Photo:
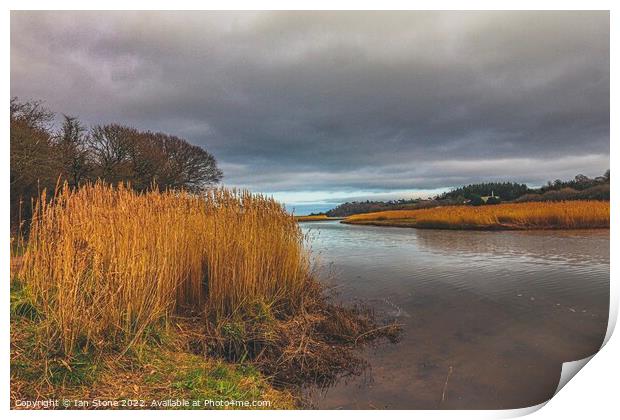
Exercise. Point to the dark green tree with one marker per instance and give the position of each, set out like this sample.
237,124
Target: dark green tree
475,200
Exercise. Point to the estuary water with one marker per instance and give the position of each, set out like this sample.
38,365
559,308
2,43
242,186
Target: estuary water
488,317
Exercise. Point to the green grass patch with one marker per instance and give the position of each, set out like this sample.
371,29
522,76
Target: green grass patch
159,368
21,304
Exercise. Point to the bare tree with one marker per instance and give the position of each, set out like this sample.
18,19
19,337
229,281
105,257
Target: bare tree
188,166
41,156
72,142
33,158
145,158
110,147
31,114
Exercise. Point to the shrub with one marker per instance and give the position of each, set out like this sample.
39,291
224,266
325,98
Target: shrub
476,200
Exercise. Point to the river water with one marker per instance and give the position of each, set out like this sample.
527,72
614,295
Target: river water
488,317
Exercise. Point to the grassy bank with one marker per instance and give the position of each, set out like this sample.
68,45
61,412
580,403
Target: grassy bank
552,215
163,367
109,275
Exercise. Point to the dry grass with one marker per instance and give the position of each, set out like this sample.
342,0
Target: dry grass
314,218
103,266
149,372
547,215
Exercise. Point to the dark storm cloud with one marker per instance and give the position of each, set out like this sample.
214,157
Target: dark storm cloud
338,101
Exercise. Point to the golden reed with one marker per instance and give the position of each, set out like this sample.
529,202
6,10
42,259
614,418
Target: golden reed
314,218
535,215
105,264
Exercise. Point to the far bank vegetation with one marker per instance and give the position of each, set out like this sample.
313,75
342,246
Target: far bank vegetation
579,188
533,215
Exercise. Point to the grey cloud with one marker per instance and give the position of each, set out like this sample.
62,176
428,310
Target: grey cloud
404,176
337,100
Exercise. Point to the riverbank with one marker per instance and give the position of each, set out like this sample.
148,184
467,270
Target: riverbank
156,374
208,366
512,216
113,289
316,218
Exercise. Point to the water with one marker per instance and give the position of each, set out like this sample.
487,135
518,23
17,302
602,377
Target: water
488,317
306,209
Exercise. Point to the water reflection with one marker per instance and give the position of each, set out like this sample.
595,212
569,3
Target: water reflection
567,246
501,310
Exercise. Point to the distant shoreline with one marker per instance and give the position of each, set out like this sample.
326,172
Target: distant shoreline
316,218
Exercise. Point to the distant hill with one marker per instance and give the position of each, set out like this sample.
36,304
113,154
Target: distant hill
357,207
579,188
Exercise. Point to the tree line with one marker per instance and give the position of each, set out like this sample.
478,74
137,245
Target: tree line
42,155
579,183
580,187
505,190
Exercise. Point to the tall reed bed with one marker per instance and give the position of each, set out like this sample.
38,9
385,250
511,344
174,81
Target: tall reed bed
539,215
104,265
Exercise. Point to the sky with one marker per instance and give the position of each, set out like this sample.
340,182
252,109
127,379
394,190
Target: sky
326,107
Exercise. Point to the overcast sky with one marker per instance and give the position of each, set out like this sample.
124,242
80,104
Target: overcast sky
324,107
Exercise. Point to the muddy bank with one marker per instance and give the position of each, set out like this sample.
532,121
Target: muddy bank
315,345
